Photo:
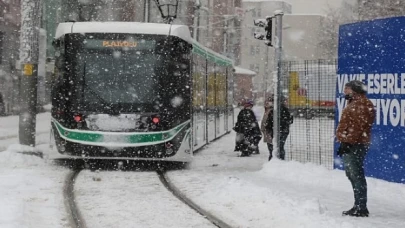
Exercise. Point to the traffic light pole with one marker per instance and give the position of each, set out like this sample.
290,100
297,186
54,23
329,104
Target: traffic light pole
278,45
277,86
146,10
29,55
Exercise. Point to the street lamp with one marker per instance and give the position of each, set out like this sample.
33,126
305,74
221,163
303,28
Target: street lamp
168,9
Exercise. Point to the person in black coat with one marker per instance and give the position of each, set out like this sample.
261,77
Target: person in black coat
2,108
285,121
248,132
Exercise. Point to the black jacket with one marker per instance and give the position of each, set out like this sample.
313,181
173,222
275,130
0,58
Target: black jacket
247,123
285,120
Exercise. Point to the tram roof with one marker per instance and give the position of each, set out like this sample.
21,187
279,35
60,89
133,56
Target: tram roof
180,31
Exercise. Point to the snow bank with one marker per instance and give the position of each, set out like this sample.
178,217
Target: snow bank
251,192
14,157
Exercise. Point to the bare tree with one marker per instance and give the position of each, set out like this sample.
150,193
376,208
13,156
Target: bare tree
372,9
330,27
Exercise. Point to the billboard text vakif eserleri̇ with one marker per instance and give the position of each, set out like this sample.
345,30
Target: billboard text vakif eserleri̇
372,51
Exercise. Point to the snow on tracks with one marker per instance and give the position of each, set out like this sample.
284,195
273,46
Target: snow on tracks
131,199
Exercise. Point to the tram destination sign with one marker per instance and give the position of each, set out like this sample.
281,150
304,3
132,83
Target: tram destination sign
119,44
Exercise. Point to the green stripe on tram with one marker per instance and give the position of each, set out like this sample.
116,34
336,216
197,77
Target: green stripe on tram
106,137
199,51
210,55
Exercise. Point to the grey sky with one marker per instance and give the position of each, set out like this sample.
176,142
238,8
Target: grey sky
313,6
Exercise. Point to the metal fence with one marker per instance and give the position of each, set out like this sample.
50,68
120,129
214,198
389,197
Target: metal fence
309,88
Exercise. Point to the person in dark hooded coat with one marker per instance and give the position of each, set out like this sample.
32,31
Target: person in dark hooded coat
248,132
286,120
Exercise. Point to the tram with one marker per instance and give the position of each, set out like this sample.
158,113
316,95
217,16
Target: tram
137,91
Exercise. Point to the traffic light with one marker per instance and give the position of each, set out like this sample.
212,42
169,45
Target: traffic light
268,28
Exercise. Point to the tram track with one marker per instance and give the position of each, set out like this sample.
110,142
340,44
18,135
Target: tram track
78,221
75,218
179,195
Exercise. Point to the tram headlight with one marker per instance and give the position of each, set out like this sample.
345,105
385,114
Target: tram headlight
169,151
169,148
62,147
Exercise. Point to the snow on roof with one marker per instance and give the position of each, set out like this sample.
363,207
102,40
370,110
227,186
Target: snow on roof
180,31
240,70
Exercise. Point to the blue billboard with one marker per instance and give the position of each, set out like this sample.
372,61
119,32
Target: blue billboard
374,52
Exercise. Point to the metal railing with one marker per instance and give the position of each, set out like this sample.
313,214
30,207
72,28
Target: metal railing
309,88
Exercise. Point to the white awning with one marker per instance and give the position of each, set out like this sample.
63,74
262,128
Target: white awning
240,70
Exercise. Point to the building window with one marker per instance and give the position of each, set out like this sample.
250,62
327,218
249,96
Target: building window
1,46
252,50
257,50
254,13
257,68
259,12
2,10
254,67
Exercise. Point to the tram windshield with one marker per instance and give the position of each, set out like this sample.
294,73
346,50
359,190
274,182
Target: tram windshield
120,77
120,71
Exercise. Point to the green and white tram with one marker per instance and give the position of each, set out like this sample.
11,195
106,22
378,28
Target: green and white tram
142,91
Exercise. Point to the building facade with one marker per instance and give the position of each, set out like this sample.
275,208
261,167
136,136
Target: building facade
372,9
10,18
243,84
302,37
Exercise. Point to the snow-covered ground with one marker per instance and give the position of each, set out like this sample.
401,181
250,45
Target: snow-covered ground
251,192
132,199
242,191
9,125
31,191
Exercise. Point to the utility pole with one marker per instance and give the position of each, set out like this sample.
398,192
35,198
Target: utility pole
277,86
196,19
146,10
225,48
266,73
29,54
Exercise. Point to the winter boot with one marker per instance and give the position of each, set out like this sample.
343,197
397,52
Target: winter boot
356,212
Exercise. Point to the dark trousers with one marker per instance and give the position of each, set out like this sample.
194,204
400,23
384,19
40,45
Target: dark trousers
283,139
354,168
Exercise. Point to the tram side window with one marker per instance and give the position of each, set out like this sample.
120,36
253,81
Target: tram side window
59,58
211,85
220,86
59,85
230,86
199,83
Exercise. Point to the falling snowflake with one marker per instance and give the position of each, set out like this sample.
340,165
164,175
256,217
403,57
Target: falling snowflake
177,101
